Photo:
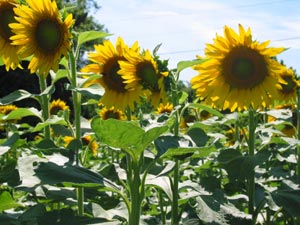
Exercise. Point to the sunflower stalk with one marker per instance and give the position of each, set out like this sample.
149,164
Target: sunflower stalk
298,134
44,105
77,111
175,212
134,182
251,147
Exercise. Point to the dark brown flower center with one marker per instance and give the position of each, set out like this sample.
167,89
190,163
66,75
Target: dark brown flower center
148,76
290,85
48,35
111,77
6,17
244,67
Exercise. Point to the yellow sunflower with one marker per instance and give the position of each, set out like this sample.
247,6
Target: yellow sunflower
8,52
111,113
164,108
41,33
141,69
6,109
239,72
57,105
106,62
87,140
287,86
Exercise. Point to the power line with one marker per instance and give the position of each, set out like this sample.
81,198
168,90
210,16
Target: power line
198,50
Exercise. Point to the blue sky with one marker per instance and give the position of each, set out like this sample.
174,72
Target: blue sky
183,27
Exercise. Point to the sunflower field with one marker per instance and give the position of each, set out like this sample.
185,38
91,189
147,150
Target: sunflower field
226,153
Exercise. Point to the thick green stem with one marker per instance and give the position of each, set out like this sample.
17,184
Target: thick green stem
44,105
135,194
175,215
77,111
298,134
251,180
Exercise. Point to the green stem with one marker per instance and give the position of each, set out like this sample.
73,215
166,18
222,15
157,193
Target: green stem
77,111
161,206
175,215
251,181
135,204
44,105
298,134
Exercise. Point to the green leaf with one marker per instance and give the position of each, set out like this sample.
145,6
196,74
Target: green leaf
179,152
90,36
289,200
15,96
125,135
7,201
60,74
51,121
231,159
198,135
206,108
22,112
8,143
186,64
51,173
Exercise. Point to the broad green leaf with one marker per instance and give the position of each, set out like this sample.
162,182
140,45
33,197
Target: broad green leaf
179,152
22,112
125,135
164,143
153,134
186,64
206,108
8,143
59,75
198,135
51,173
51,121
161,182
7,201
231,159
1,61
94,92
15,96
90,36
289,200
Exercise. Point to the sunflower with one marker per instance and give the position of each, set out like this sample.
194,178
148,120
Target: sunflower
6,109
41,33
287,86
111,113
239,72
8,51
142,69
106,62
87,140
57,105
164,108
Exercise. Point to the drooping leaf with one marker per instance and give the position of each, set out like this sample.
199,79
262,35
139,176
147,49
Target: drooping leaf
90,36
289,200
15,96
231,159
198,135
51,173
22,112
51,121
206,108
